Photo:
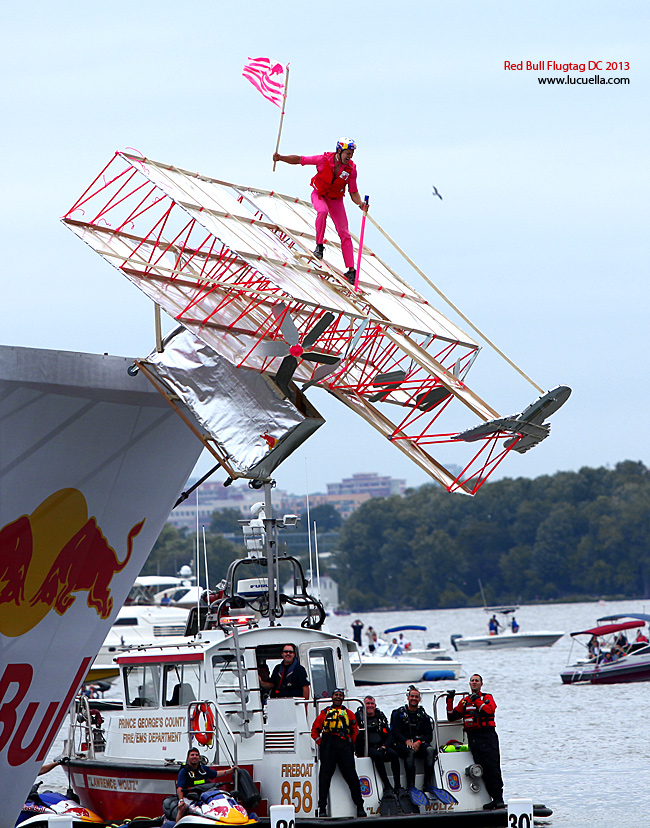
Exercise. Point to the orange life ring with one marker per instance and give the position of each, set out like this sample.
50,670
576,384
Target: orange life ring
203,735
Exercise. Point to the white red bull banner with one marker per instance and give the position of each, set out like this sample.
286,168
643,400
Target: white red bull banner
91,463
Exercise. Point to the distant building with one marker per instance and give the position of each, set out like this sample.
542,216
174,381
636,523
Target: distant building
368,483
345,496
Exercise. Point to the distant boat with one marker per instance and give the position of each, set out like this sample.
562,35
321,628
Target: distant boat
612,660
507,638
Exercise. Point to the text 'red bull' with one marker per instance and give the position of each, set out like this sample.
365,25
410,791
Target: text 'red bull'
15,684
52,553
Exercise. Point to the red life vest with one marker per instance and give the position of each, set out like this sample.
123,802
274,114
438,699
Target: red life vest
475,719
329,184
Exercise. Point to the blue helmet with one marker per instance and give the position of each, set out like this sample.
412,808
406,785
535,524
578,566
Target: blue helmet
345,144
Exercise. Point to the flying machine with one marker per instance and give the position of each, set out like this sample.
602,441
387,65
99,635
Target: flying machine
234,266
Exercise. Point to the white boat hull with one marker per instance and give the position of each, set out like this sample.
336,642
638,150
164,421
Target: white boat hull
506,640
403,670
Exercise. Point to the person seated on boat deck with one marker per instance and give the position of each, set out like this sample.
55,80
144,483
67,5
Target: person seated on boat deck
641,637
194,773
375,724
288,679
594,646
477,712
335,731
621,642
404,642
412,734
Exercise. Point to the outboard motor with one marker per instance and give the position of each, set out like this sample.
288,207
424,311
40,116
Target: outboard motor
454,639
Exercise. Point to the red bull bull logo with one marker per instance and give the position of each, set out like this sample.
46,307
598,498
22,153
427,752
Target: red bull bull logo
47,556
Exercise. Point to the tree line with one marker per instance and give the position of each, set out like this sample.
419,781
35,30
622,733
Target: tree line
565,536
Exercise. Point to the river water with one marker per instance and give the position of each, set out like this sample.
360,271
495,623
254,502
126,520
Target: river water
581,750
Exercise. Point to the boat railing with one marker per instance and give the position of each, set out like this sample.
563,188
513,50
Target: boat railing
85,734
349,701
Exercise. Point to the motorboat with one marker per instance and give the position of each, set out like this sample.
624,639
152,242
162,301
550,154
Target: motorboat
505,635
204,691
400,668
136,624
429,651
610,657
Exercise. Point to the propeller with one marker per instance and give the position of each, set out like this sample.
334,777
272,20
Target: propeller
326,370
292,348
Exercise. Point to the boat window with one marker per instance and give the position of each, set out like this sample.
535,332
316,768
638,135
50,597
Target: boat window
142,685
323,672
226,677
126,622
180,683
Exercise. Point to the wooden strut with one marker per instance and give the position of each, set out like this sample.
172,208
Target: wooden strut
284,100
451,305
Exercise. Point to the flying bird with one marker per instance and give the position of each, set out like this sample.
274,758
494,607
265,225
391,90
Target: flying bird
436,193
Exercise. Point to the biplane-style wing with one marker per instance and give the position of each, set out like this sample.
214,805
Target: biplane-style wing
234,265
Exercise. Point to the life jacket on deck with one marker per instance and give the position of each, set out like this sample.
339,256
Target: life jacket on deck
473,718
329,184
337,722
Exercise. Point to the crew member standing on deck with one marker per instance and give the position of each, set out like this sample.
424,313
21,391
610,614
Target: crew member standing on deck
477,712
335,731
334,172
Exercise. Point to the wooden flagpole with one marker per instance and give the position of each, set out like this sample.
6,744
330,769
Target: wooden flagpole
284,100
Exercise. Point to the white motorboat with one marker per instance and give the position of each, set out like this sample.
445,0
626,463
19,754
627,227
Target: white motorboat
401,668
205,692
429,651
506,636
136,625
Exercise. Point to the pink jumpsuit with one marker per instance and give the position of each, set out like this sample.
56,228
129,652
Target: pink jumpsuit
335,208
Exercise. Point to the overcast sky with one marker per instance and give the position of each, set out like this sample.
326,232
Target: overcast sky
541,236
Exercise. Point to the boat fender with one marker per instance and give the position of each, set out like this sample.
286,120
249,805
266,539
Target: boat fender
203,733
438,675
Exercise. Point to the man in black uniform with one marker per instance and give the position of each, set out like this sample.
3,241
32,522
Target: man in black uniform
336,730
412,732
477,712
288,679
375,724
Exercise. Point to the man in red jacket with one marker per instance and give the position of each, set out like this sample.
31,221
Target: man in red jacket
334,172
336,730
477,712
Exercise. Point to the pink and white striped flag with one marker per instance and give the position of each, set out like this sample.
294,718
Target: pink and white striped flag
260,72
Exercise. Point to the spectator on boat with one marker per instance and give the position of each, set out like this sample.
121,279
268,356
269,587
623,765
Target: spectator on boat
493,625
194,773
404,642
477,712
374,724
412,733
335,731
594,646
288,679
641,637
371,635
334,172
357,626
621,641
514,625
